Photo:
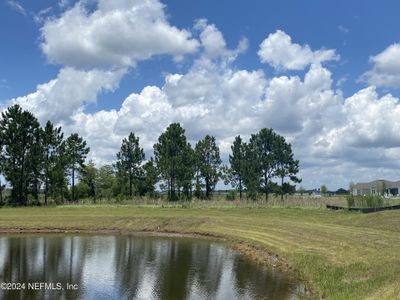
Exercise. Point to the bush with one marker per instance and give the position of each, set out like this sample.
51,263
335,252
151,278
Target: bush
374,201
231,195
350,200
364,201
252,195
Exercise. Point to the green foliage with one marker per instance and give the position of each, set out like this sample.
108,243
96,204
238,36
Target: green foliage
382,188
324,189
365,201
2,187
35,160
54,165
209,161
231,195
301,190
129,160
105,182
251,171
262,144
186,172
171,155
268,156
373,201
82,190
75,154
341,191
89,177
21,158
286,165
350,200
149,180
234,174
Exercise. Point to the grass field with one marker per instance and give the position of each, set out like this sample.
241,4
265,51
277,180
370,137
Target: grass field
341,255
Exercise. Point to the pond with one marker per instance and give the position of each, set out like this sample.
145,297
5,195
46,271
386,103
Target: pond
132,267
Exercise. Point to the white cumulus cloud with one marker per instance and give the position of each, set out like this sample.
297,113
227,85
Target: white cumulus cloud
116,33
60,98
386,68
280,52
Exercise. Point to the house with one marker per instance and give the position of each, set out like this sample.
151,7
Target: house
377,187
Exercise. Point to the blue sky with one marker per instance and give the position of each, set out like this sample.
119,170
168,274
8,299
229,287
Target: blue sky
357,29
327,77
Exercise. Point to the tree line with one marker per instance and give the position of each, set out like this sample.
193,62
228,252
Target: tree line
40,163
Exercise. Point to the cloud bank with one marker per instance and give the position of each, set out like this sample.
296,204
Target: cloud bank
336,138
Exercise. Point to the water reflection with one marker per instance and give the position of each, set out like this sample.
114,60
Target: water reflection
120,267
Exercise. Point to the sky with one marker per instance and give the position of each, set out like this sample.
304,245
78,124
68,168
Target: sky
326,76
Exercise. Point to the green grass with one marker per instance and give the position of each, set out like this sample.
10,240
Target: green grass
341,255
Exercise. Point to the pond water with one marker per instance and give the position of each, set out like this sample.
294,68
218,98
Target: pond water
126,267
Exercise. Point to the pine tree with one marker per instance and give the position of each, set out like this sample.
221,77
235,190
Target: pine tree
52,138
251,170
88,176
169,156
59,186
234,174
19,132
186,171
76,152
263,144
35,162
149,179
129,160
209,161
105,181
287,166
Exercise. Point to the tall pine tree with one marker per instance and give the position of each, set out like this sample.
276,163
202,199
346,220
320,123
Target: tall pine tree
19,132
263,144
209,161
287,166
169,155
129,160
52,138
235,172
76,152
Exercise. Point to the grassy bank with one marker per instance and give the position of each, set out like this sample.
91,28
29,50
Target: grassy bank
343,255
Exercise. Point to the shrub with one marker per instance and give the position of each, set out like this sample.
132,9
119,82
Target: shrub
231,195
374,201
364,201
350,200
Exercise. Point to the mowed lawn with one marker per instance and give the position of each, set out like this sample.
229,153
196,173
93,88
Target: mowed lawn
341,255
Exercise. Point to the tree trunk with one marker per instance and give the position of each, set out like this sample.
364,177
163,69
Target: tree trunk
173,194
130,184
21,184
170,189
240,188
46,190
1,194
46,187
73,183
282,188
266,187
207,188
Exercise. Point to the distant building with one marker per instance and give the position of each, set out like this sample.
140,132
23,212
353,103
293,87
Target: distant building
377,187
316,192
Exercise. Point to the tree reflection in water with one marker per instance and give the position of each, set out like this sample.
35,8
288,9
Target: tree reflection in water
123,267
